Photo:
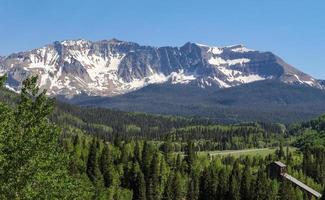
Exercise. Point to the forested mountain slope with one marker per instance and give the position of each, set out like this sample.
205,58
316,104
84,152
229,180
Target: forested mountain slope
268,101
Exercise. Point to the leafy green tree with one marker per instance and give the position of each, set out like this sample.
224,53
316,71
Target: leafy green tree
32,164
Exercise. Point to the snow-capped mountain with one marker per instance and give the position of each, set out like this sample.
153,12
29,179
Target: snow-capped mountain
108,68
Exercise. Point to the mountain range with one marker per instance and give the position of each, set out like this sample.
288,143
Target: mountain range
231,83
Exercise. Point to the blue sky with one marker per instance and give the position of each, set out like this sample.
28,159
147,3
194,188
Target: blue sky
293,29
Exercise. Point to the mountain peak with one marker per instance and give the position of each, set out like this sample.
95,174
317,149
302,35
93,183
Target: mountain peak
78,42
114,40
108,68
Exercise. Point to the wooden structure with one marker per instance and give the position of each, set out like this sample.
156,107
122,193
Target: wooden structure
278,170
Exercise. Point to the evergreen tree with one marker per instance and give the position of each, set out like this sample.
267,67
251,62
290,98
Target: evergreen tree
222,190
153,180
177,190
168,190
137,152
105,163
92,163
234,182
146,159
245,192
173,189
280,151
190,155
193,187
287,191
207,185
138,183
261,185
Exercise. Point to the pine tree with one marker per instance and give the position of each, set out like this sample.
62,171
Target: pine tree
137,152
92,164
153,180
138,183
193,187
245,183
178,193
234,182
280,152
105,163
222,189
168,190
146,159
190,155
286,191
207,189
261,185
173,189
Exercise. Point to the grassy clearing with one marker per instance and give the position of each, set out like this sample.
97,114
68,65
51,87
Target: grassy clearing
246,152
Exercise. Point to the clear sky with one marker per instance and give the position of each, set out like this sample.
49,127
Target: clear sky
293,29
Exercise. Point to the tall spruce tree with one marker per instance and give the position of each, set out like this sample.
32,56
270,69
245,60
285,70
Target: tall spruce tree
286,191
105,163
245,192
92,163
234,182
138,183
190,155
153,180
261,185
193,186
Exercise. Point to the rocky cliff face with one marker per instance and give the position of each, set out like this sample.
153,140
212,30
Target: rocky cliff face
108,68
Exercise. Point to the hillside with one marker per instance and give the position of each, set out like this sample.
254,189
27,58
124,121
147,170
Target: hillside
268,101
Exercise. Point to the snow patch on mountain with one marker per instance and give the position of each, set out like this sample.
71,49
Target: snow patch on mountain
215,60
240,49
221,83
181,77
140,83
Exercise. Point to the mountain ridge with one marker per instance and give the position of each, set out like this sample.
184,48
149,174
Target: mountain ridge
114,67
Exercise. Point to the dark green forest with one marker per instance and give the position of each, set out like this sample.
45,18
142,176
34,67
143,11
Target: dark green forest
53,150
285,103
